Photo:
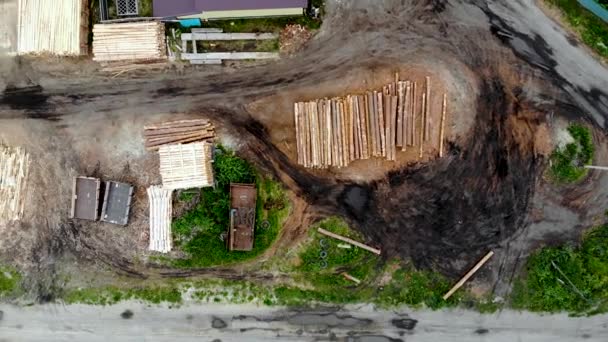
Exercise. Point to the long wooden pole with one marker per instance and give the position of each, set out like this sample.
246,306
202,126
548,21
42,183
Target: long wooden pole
468,275
347,240
441,129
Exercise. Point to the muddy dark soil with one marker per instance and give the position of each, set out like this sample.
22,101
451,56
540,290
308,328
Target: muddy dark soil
515,77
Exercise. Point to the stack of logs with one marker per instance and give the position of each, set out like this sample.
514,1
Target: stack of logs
178,132
334,132
129,41
14,170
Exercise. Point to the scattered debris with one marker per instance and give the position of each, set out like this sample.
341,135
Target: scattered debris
85,198
468,275
293,38
337,131
242,216
129,41
14,169
186,166
117,203
178,132
160,218
347,240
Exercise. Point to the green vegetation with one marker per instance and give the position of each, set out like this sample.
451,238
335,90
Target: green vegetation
113,295
267,45
593,30
9,280
566,278
199,231
145,8
603,3
567,163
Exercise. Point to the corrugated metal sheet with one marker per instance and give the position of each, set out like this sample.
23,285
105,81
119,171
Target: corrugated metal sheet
168,8
52,26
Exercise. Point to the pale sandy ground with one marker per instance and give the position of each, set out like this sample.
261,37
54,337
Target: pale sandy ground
219,322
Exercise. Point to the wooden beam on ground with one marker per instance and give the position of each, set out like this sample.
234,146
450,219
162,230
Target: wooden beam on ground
351,278
381,124
400,114
371,110
414,115
296,121
393,117
427,111
468,275
422,123
441,128
348,240
363,117
328,133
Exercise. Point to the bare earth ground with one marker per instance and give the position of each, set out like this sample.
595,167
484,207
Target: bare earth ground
510,73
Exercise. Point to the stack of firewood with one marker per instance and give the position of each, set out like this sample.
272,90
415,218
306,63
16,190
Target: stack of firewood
178,132
337,131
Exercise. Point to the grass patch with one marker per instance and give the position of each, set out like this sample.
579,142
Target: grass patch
592,29
113,295
198,231
266,45
9,281
567,163
567,278
255,25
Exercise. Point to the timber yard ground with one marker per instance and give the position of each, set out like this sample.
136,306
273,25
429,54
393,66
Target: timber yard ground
515,78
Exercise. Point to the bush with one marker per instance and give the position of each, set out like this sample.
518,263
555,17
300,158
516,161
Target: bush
9,279
567,163
566,278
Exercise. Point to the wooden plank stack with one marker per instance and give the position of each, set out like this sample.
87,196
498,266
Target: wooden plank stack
178,132
14,169
129,41
160,218
334,132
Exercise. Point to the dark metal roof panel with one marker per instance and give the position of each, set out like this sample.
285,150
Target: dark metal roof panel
230,5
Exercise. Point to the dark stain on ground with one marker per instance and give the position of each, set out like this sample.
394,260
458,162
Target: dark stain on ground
218,323
127,314
404,323
172,91
482,331
32,100
372,338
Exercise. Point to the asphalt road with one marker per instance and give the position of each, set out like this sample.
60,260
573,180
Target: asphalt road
217,322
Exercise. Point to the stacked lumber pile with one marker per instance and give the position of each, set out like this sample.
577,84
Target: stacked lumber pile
129,41
14,168
186,166
337,131
178,132
161,212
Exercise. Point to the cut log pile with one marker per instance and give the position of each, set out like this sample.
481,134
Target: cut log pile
129,41
14,168
178,132
337,131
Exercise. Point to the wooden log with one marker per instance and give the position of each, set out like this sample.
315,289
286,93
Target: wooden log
307,153
321,132
371,123
351,278
312,107
363,117
414,115
169,140
334,129
441,128
400,95
468,275
177,124
328,133
182,141
296,120
346,147
407,116
422,123
343,151
381,124
356,127
427,111
351,128
348,240
393,141
387,125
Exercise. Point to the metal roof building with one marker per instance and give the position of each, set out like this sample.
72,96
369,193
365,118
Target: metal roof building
224,9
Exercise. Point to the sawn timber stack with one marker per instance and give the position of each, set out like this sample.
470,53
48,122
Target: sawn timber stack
178,132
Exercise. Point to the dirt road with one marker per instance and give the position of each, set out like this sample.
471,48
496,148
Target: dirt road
136,322
510,68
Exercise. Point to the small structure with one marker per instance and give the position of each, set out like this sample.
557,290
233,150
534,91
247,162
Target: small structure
242,216
85,198
14,168
160,218
227,9
186,166
116,203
